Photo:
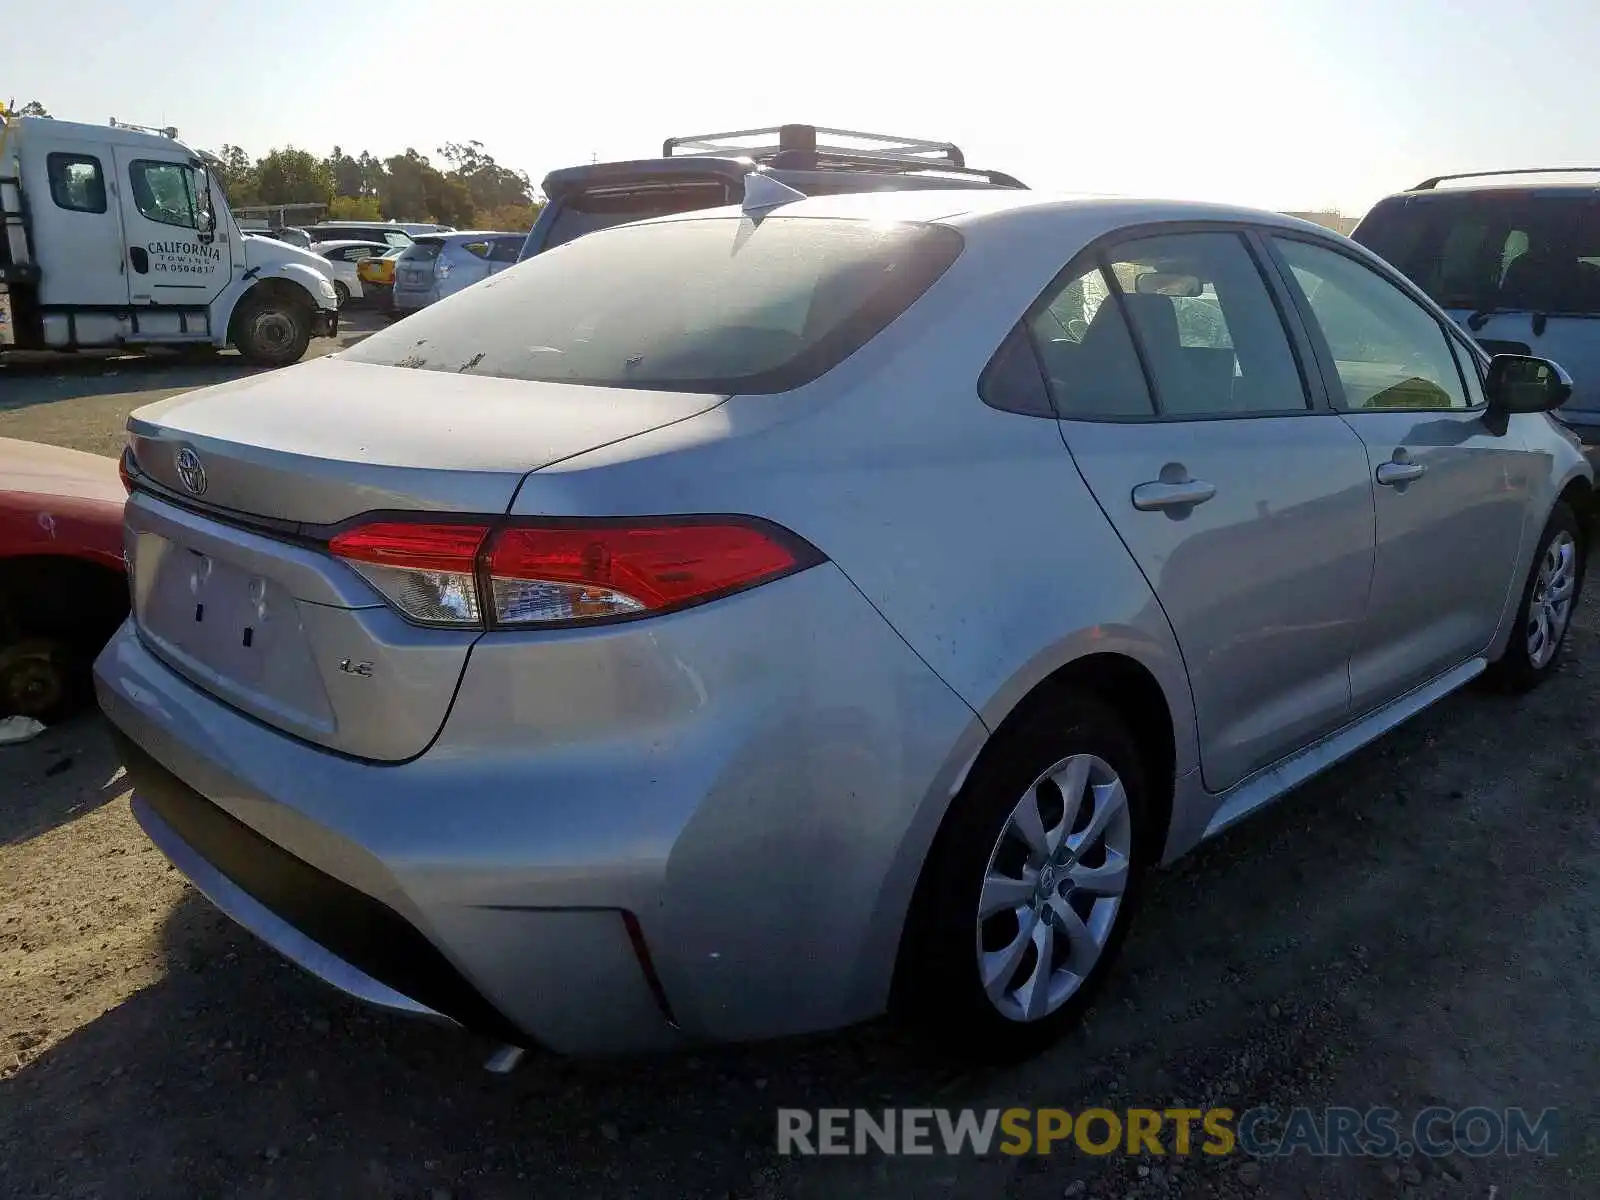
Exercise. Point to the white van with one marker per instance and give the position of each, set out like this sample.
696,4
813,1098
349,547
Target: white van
121,237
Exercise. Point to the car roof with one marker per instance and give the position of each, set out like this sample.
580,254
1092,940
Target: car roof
977,206
345,243
456,235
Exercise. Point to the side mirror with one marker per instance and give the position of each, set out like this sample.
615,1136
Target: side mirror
1521,383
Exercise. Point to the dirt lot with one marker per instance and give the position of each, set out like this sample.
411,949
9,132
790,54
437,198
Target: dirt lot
1421,926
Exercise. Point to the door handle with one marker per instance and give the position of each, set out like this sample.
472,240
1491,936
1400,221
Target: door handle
1148,497
1400,469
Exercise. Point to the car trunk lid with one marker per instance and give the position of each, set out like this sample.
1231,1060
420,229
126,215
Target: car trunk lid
240,486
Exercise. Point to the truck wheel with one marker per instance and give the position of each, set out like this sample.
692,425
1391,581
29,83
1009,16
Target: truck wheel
273,331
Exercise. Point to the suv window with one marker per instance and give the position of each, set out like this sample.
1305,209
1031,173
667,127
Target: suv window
1088,358
1207,324
1389,351
712,305
476,249
76,182
505,250
164,192
1483,250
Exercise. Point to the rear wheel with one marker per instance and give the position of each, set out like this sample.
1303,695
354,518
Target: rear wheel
1030,885
272,330
342,292
1549,599
41,678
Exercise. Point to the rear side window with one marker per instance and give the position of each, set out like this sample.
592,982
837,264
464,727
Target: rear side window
716,305
76,182
1210,333
586,212
1089,361
476,249
505,250
1483,250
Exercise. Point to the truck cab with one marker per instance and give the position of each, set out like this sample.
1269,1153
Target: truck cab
116,236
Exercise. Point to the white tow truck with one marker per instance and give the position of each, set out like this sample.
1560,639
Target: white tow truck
120,236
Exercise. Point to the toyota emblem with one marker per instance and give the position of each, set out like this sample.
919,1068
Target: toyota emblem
191,471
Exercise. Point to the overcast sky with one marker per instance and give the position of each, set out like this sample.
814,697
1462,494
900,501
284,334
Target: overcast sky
1278,103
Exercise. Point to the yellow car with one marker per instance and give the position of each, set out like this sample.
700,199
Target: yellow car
378,272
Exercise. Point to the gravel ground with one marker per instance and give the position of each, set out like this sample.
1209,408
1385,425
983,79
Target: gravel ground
1419,926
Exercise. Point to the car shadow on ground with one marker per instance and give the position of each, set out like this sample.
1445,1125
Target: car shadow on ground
65,772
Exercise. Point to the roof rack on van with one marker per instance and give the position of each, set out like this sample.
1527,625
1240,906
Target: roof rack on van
798,147
1429,184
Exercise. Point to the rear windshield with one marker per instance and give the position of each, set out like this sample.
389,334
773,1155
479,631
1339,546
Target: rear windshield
585,212
1484,250
422,250
718,305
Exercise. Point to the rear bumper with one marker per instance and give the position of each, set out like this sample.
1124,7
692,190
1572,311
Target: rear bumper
409,299
750,808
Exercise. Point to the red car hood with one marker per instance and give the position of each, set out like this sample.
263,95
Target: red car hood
55,501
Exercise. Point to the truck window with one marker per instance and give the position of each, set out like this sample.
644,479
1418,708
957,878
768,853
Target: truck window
164,192
76,182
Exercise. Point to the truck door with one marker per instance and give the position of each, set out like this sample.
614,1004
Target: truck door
77,230
175,255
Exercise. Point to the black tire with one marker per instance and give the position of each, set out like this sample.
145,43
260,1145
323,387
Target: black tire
41,678
342,292
938,987
272,330
1521,668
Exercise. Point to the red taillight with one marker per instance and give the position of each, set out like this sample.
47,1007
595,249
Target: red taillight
559,572
125,469
425,571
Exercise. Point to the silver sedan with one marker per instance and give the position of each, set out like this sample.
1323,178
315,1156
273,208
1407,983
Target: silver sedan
745,622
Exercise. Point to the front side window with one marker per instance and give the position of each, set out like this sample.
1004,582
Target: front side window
164,192
1389,351
1210,332
76,182
717,304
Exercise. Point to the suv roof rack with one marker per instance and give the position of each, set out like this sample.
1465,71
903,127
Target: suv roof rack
798,147
1430,184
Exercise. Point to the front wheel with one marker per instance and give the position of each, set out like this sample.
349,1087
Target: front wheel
1549,599
273,331
1027,893
341,292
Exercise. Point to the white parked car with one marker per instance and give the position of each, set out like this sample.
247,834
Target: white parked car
343,257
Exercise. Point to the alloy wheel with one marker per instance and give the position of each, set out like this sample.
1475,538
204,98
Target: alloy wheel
1550,607
1054,884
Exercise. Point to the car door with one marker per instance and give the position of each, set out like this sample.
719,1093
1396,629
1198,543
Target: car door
1243,499
77,229
1451,491
170,260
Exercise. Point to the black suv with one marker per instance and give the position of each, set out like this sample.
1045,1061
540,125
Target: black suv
1515,260
708,170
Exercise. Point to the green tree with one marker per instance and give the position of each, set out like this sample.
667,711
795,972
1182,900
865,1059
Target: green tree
490,185
291,176
33,109
237,172
355,208
348,179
